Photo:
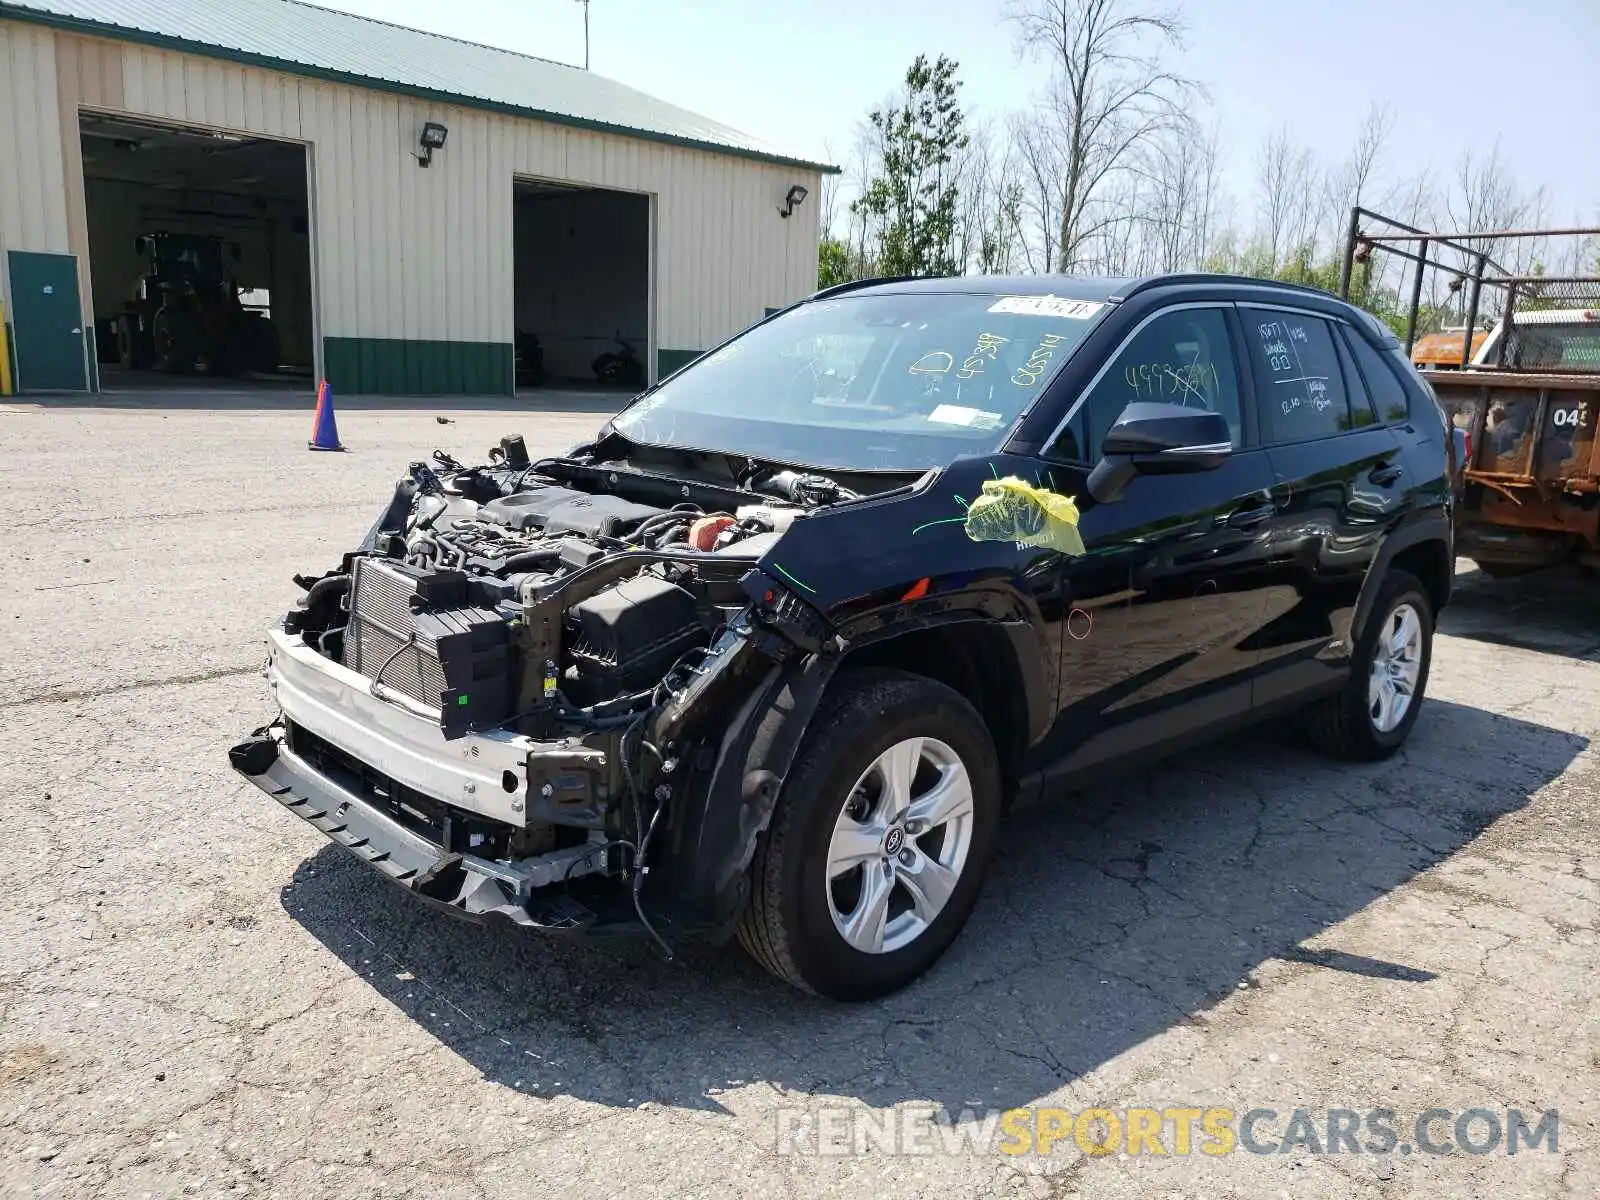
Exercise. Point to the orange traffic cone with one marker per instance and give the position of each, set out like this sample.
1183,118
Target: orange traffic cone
324,431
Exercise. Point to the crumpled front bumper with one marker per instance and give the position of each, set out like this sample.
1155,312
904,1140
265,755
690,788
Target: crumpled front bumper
483,775
467,886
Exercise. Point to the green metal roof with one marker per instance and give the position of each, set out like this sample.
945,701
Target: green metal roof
287,35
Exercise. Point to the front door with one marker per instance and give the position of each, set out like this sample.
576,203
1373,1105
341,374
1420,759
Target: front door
1167,603
47,322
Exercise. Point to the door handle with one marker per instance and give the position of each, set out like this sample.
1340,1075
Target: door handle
1384,474
1244,518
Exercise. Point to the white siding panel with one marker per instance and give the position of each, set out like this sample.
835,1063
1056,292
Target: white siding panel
239,111
392,174
255,96
371,254
203,92
174,91
445,192
33,190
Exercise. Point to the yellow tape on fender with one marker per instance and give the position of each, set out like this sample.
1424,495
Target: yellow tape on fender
1010,510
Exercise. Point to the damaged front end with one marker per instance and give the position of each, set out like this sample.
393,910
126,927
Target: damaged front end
559,694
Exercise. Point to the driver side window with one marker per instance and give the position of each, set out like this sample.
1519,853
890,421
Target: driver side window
1183,356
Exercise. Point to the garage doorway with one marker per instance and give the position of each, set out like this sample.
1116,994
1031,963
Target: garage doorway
582,287
199,257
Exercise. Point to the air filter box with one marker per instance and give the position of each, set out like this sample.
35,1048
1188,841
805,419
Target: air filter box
625,638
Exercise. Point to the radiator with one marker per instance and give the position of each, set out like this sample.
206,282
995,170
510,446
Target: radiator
380,642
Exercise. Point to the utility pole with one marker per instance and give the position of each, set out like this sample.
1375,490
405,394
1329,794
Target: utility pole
585,4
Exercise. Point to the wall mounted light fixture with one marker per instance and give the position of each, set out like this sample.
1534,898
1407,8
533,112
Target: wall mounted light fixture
793,200
433,136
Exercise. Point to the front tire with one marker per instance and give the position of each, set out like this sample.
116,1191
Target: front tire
1373,715
880,840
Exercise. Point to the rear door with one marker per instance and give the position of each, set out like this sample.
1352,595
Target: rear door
1338,484
1165,607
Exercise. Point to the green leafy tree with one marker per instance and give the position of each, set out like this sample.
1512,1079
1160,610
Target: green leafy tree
913,197
834,263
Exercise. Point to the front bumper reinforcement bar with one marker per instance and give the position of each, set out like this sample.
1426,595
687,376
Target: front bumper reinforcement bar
467,886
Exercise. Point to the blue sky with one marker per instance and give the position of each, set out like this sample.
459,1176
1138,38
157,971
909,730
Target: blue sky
801,73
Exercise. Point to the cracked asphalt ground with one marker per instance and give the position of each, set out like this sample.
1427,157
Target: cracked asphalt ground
200,996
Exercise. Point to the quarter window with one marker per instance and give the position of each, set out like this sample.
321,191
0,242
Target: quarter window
1389,395
1362,411
1299,385
1183,356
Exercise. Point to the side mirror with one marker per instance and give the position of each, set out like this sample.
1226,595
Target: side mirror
1158,439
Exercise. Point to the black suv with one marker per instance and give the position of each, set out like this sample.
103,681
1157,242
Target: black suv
774,651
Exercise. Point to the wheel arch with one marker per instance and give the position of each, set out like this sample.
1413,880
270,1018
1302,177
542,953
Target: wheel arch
997,665
1424,549
986,662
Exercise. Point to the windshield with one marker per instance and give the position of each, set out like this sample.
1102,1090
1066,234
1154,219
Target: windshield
869,383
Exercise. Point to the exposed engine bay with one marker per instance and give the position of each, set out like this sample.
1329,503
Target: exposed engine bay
450,605
589,622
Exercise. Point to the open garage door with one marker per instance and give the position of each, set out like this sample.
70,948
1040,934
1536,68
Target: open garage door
199,255
582,286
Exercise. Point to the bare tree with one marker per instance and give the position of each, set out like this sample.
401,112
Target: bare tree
989,228
1111,89
985,230
1209,196
829,202
1483,195
866,160
1039,164
1354,180
1179,169
1285,184
1120,246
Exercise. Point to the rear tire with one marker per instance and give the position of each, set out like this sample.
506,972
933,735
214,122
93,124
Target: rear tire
920,877
133,344
171,353
1355,723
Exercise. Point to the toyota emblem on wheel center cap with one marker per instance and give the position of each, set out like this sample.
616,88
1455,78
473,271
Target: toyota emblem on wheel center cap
893,840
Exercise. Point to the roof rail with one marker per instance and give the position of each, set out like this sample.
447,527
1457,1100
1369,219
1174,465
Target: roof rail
839,289
1151,281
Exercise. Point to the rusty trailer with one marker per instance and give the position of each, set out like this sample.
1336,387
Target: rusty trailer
1525,392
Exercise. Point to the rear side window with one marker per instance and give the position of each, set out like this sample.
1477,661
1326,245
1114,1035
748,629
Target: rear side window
1299,385
1389,395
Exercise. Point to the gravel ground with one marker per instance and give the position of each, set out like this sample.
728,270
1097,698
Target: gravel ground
200,996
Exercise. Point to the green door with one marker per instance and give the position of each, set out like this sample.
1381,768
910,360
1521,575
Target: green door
47,322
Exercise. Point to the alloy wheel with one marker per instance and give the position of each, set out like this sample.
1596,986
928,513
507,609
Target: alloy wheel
1396,668
899,845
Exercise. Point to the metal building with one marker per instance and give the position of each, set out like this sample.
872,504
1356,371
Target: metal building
151,148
